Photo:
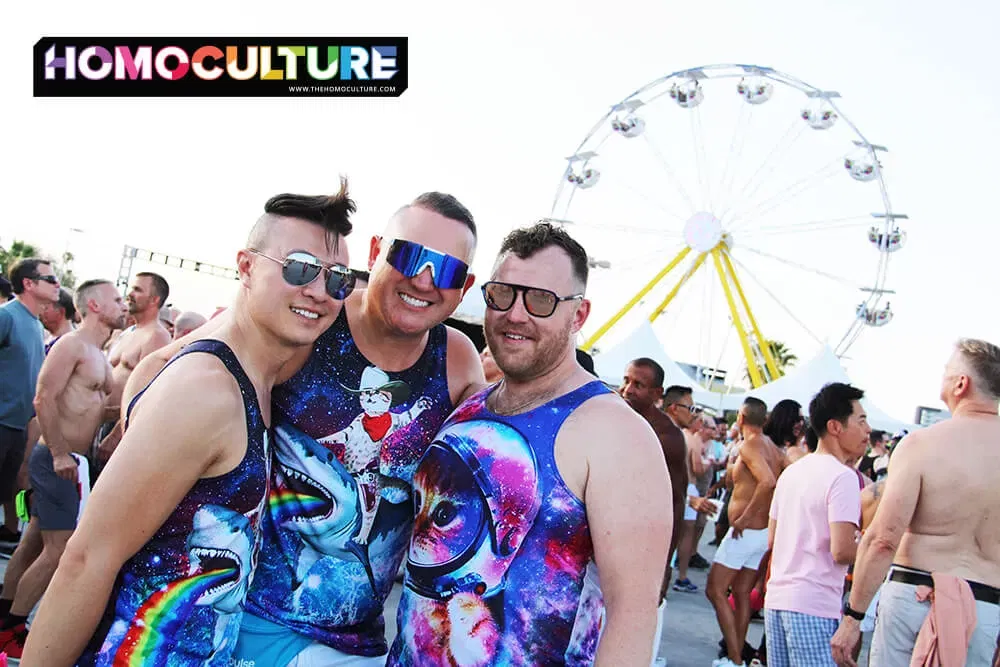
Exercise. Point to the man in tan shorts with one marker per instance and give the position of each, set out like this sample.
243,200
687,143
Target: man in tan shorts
145,299
938,516
73,385
755,474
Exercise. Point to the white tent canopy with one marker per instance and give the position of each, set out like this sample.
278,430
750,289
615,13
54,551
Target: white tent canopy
801,383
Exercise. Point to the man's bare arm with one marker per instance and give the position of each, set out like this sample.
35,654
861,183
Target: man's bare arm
133,500
752,454
895,510
465,370
57,369
629,512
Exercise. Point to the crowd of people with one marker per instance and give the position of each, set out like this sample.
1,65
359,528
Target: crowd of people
244,489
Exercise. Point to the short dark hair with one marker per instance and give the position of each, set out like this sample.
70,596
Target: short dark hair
160,286
834,401
6,290
812,440
646,362
527,241
446,205
331,212
674,393
755,412
25,269
84,292
875,437
65,302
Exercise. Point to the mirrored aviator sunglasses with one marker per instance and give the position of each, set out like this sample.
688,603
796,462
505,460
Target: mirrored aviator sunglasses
301,268
411,259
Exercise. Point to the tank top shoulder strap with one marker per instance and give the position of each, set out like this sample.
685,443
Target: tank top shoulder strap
583,393
225,354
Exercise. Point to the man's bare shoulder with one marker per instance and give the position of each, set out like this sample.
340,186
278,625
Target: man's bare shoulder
465,370
608,419
198,386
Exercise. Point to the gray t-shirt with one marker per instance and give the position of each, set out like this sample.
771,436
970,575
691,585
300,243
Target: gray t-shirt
21,355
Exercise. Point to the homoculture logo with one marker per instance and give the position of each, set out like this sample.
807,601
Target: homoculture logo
220,67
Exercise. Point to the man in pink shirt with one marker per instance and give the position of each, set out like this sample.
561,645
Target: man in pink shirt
813,533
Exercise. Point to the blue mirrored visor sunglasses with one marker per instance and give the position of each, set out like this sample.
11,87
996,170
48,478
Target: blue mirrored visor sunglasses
300,268
411,259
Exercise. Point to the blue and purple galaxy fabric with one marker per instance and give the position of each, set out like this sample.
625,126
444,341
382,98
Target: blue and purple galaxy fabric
500,567
178,600
348,437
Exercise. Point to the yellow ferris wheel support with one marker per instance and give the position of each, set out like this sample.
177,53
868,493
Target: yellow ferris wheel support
751,339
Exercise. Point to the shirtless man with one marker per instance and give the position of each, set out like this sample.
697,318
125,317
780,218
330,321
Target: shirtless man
148,294
73,384
755,474
698,469
938,515
642,389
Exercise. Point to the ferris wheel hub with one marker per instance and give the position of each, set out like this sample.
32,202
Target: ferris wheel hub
703,231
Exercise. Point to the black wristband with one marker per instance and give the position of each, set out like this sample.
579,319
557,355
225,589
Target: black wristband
856,615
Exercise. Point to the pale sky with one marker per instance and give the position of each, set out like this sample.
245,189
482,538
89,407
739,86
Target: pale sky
498,97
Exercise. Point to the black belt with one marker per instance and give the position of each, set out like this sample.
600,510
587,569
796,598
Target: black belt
981,592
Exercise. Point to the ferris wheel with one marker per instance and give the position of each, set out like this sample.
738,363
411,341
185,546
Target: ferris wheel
733,199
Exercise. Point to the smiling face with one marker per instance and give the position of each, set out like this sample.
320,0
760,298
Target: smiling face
525,346
413,306
295,315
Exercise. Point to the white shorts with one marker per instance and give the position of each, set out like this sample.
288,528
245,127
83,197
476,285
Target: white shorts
690,514
743,553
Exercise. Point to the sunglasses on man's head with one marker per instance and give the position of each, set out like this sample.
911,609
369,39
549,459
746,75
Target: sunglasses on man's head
411,259
300,268
537,301
52,280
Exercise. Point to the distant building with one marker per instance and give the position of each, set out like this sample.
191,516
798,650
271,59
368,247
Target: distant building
926,416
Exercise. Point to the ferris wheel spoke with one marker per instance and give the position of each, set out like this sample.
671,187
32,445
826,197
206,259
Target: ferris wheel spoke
785,196
810,226
778,301
701,160
752,185
625,228
734,154
695,265
803,267
671,174
642,195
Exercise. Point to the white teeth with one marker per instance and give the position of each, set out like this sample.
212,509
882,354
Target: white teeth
515,337
305,313
410,301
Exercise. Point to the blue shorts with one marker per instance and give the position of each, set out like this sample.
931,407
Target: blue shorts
265,644
798,640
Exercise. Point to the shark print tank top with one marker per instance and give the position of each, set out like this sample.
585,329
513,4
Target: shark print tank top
178,600
500,569
348,436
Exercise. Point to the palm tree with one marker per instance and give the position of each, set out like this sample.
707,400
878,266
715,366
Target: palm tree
20,250
783,359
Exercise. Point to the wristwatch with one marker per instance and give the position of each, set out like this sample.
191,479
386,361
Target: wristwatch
853,613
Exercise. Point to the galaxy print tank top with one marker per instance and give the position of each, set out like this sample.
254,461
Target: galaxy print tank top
178,600
348,437
500,567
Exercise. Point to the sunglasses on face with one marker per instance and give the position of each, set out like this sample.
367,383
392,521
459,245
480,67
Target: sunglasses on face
537,301
300,268
411,259
693,409
52,280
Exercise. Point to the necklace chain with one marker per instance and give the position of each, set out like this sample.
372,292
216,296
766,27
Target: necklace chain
533,402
